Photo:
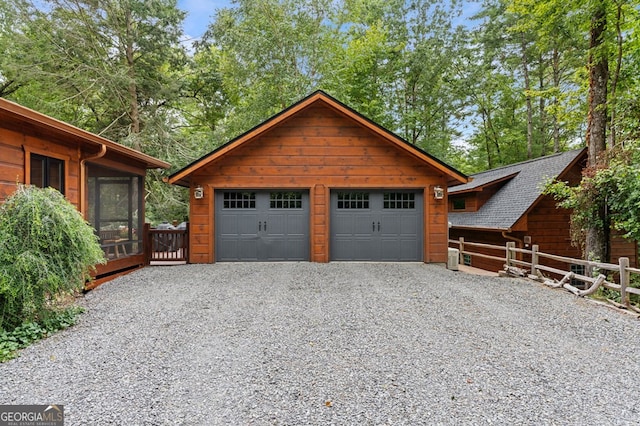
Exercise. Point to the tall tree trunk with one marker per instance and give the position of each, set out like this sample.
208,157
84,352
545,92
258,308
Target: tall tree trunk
556,86
541,109
134,113
596,241
615,77
527,89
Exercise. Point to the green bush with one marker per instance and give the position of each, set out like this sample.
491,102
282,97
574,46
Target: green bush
47,250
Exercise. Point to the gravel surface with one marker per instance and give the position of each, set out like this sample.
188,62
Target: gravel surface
339,343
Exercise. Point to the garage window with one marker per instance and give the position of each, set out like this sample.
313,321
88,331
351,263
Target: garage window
285,200
353,200
239,200
399,200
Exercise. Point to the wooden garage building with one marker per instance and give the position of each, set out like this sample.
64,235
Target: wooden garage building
318,182
103,179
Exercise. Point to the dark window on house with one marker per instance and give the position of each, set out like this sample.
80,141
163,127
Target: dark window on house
459,203
399,200
466,259
580,270
285,200
353,200
47,172
239,200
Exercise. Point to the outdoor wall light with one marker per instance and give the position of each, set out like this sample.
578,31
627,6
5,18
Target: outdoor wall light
438,193
198,192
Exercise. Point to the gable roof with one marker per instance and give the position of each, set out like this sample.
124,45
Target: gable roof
523,188
182,176
13,115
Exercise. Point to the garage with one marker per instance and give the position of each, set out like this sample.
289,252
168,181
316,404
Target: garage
262,225
376,225
317,182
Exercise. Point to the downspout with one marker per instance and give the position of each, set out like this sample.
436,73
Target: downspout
83,179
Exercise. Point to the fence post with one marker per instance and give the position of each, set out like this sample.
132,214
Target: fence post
510,246
461,248
625,276
147,245
534,259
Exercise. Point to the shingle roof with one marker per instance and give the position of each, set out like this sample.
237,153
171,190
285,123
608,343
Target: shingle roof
523,187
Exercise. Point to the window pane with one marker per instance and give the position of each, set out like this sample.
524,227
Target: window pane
285,200
37,171
353,200
56,174
239,200
399,200
47,172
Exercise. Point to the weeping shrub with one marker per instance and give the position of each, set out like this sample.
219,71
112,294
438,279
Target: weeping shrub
47,250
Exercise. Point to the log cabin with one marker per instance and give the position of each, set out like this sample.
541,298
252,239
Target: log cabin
507,204
103,179
317,182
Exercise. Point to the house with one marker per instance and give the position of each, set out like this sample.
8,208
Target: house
507,204
103,179
317,182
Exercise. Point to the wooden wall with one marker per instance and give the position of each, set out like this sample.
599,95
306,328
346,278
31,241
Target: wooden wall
318,149
14,147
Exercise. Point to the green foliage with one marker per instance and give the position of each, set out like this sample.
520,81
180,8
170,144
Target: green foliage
29,332
47,250
616,186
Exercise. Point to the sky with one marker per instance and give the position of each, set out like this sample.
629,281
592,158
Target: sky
199,15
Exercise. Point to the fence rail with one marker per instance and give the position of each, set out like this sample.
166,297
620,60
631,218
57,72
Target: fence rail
592,277
166,245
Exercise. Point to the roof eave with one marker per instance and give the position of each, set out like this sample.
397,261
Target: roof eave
45,122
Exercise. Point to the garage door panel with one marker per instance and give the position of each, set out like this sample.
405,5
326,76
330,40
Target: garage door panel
390,228
262,225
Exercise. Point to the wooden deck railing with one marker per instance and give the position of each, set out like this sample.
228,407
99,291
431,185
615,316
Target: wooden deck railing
596,274
166,245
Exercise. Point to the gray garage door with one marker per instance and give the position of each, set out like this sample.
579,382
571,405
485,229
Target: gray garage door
376,225
262,225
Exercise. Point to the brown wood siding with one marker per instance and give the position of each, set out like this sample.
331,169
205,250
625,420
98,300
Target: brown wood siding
548,227
484,237
319,150
13,149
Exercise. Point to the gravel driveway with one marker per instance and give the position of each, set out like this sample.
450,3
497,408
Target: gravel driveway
340,343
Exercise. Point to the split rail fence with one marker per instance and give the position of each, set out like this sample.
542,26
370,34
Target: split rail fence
594,274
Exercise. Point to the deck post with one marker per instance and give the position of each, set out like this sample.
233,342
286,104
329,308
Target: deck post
625,276
461,247
147,244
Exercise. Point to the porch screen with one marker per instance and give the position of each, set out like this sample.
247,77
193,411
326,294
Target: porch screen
115,210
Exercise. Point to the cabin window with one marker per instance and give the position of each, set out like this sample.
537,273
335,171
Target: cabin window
239,200
459,203
285,200
466,259
353,200
115,209
399,200
47,172
579,270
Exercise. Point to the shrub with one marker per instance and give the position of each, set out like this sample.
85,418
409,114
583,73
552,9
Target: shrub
47,250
